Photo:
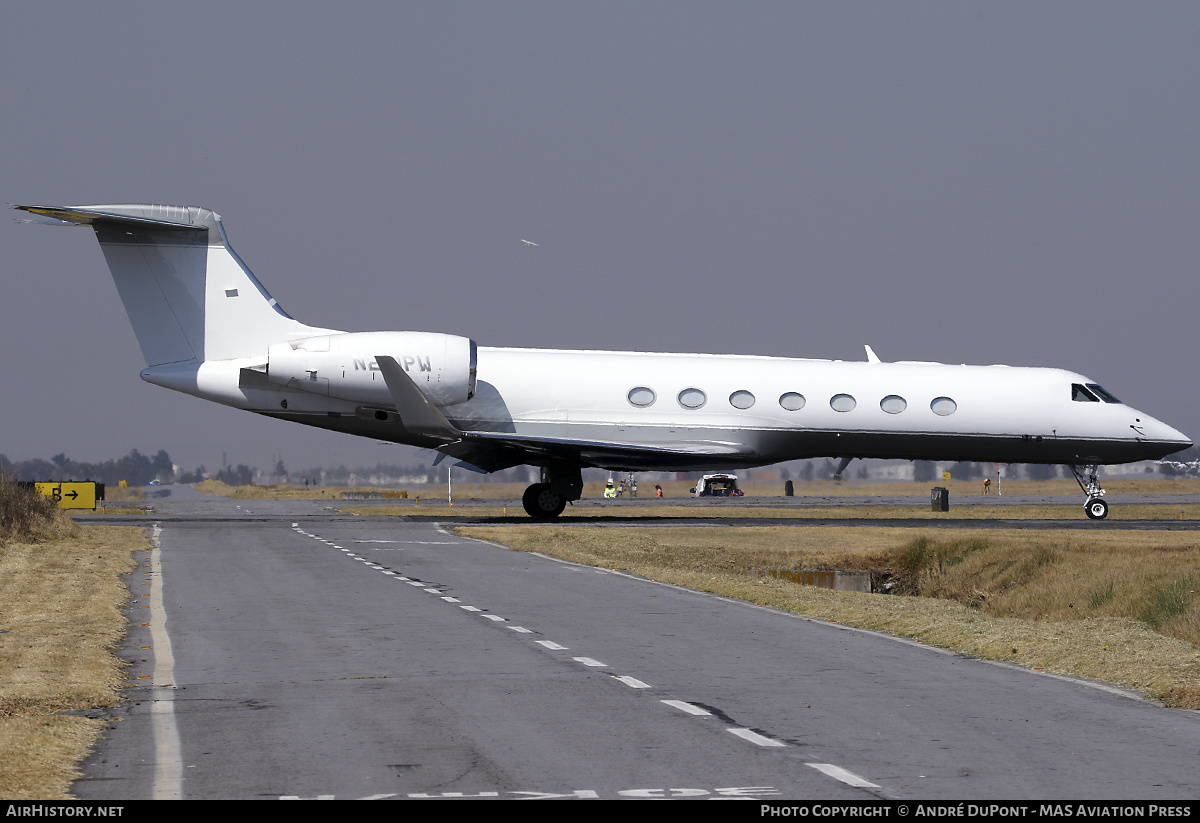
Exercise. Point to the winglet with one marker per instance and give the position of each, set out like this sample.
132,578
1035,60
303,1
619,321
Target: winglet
417,414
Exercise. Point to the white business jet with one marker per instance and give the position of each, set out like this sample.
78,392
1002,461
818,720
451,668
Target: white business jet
207,327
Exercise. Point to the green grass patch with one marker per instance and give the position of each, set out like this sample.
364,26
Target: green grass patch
1167,600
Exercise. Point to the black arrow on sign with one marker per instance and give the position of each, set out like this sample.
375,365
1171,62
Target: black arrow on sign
71,494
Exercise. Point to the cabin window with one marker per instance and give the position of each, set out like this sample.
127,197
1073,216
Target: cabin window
741,399
692,398
842,403
792,401
1080,394
1107,397
893,404
641,396
943,406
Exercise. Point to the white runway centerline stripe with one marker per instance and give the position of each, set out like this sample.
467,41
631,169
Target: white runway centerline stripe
521,630
847,777
550,644
756,738
587,661
688,707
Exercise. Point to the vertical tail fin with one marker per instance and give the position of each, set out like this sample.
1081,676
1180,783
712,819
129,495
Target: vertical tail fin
189,297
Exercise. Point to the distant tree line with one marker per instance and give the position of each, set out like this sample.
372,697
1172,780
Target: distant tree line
135,468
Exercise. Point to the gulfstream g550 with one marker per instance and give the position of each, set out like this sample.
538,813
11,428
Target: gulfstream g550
207,327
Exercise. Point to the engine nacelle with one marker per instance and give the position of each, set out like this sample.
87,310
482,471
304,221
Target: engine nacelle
344,366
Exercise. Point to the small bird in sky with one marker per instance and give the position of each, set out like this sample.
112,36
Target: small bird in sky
528,242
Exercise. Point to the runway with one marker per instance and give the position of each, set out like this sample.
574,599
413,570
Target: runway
315,654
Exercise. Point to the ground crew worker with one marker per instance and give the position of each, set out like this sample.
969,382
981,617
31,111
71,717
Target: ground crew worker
609,490
657,490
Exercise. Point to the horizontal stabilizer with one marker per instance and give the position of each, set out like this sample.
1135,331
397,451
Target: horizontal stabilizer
180,217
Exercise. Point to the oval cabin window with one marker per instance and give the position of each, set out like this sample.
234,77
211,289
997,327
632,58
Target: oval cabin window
943,406
893,404
842,403
741,399
692,398
792,401
641,396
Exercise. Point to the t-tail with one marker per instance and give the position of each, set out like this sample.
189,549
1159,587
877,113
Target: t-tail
188,295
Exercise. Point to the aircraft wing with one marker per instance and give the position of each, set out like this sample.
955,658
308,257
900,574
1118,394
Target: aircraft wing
600,453
492,451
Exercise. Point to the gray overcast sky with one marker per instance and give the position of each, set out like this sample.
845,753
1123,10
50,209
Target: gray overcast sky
969,182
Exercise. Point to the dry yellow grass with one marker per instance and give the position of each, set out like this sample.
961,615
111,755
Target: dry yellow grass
1038,599
25,515
275,492
125,493
60,623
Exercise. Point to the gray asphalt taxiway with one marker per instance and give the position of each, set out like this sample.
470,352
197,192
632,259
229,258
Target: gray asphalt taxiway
288,650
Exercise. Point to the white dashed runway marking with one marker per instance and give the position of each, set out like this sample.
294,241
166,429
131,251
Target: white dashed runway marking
847,777
749,735
632,682
689,708
756,738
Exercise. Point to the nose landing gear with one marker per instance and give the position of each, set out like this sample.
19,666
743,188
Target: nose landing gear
1095,507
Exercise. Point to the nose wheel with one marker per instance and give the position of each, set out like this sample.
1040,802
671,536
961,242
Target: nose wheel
1095,507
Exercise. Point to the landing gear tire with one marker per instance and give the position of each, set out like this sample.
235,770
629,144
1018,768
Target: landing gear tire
542,503
1096,508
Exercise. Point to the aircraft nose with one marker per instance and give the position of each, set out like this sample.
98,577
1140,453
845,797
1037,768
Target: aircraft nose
1167,439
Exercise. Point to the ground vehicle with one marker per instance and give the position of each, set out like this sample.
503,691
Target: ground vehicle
717,485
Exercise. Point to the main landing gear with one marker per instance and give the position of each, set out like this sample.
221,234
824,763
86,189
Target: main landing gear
1095,507
542,502
561,483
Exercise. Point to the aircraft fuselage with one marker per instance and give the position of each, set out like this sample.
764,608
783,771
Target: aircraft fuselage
703,411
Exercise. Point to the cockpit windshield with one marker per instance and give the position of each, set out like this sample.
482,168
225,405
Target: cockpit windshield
1107,397
1091,393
